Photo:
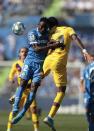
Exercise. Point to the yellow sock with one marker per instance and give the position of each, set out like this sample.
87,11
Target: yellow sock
9,125
28,114
57,101
35,121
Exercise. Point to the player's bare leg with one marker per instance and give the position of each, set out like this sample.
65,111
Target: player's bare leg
56,104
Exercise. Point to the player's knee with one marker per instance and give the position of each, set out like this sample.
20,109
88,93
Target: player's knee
23,83
56,104
34,109
42,75
35,86
62,89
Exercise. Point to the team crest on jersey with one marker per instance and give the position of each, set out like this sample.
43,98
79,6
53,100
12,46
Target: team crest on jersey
32,37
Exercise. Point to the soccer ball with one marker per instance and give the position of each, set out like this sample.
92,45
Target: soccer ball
18,28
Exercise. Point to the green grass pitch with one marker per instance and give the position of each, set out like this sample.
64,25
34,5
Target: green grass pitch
62,123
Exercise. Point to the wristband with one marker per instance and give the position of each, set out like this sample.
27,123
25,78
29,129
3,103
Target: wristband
84,51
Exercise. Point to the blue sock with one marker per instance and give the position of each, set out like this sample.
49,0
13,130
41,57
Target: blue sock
18,96
30,98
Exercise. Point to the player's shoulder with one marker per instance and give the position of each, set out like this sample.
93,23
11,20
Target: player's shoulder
68,28
32,35
32,32
15,62
19,62
64,27
18,65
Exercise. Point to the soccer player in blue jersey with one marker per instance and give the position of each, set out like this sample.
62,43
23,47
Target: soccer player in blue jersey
87,86
32,68
38,47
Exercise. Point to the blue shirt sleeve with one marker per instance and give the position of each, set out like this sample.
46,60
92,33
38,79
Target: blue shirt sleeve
32,38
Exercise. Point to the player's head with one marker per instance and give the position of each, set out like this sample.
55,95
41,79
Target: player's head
23,53
43,25
53,22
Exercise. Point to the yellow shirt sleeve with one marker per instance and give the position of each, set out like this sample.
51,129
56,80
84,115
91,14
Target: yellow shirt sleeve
71,31
12,72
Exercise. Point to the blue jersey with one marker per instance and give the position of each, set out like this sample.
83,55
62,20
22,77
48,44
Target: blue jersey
88,76
36,38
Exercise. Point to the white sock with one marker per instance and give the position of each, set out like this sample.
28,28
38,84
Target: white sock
50,117
36,130
9,129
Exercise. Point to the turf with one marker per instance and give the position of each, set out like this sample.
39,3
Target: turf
62,123
4,73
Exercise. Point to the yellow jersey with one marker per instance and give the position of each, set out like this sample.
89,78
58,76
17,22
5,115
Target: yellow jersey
66,33
15,70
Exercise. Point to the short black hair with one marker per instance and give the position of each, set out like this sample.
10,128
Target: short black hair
44,19
53,21
20,51
23,48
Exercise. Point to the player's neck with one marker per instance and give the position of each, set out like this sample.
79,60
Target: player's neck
22,60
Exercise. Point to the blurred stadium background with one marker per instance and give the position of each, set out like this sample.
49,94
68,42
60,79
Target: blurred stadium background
76,13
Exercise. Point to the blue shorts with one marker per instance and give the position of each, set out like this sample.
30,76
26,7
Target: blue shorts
32,71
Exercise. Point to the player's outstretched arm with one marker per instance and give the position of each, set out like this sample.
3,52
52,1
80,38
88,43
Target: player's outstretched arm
77,40
49,46
82,88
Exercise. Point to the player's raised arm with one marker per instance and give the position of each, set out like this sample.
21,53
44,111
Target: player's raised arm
82,87
77,40
51,45
34,43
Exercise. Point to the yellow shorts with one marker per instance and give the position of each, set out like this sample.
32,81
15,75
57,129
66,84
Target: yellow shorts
58,69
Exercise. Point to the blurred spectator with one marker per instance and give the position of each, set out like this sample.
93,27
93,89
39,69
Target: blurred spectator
1,12
77,6
2,49
16,5
10,45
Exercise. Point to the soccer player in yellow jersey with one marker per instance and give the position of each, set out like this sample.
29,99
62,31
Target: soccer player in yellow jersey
13,76
56,63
